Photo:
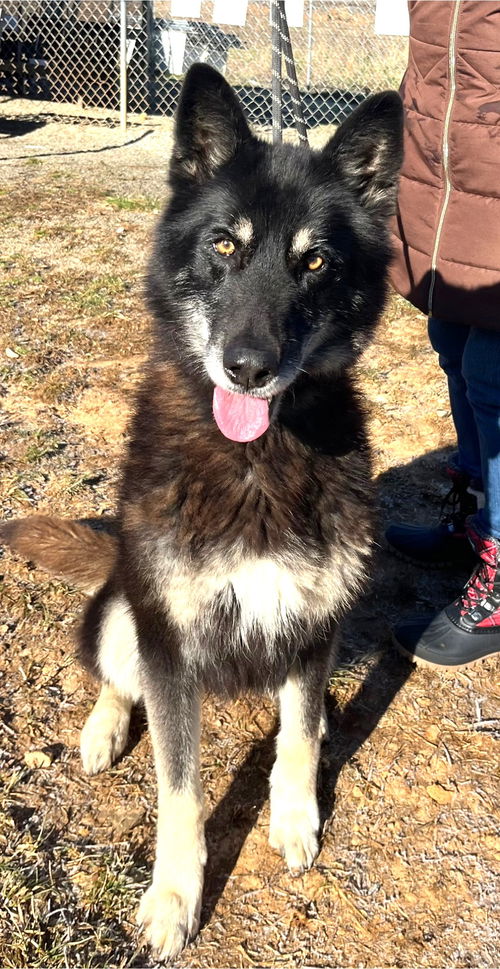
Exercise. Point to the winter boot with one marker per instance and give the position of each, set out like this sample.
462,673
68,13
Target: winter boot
469,629
445,543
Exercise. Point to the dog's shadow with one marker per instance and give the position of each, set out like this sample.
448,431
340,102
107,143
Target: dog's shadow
235,815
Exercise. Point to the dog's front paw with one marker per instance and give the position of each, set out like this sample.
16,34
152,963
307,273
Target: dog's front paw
103,739
294,833
168,920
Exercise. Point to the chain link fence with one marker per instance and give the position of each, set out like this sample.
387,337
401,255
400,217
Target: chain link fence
68,51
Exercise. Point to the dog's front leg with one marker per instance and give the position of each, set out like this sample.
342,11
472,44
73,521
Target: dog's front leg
294,823
170,909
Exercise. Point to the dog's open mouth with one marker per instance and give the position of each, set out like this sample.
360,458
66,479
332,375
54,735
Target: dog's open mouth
240,417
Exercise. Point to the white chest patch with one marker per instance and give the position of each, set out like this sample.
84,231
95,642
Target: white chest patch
270,595
267,594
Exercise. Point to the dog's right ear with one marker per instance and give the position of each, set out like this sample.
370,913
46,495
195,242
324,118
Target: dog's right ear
210,125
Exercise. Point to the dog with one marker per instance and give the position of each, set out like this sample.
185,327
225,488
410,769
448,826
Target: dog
246,508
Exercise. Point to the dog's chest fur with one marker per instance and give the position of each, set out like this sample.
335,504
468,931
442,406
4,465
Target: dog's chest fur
246,547
265,594
259,596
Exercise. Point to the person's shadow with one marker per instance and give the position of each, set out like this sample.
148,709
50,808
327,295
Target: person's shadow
408,492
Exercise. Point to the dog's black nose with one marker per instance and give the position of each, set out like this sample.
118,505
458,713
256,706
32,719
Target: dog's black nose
250,368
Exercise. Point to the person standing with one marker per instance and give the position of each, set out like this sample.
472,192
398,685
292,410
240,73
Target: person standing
447,263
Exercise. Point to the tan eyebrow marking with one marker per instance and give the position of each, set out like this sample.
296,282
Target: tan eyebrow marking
243,231
301,242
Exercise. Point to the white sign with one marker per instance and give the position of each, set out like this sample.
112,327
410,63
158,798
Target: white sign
391,17
185,8
130,50
232,12
295,12
174,45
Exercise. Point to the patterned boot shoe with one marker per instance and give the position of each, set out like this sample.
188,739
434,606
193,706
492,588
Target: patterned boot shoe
445,543
469,629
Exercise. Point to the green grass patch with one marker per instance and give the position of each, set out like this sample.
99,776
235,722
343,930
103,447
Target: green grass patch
55,231
124,204
99,295
15,287
42,445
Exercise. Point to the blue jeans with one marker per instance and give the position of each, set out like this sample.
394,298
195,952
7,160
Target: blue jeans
470,358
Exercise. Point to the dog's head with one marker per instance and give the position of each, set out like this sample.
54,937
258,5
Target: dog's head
271,261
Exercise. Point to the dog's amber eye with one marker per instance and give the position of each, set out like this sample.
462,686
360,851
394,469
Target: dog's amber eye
225,247
315,262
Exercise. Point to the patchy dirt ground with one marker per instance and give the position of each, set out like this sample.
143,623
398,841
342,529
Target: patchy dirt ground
409,778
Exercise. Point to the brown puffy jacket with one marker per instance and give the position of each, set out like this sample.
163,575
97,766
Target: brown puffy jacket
447,230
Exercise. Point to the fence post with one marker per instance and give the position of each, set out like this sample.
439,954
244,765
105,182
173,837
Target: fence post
123,64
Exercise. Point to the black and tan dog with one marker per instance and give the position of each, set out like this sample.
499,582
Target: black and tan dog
246,506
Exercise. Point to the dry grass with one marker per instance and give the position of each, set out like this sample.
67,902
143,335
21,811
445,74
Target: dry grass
409,789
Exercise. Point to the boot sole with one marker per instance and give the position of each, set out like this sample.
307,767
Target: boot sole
436,666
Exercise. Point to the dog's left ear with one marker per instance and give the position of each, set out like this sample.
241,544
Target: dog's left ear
367,150
210,125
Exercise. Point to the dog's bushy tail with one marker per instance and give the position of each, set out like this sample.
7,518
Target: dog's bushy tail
69,550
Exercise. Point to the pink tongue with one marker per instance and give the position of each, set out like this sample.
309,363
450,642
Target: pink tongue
239,416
